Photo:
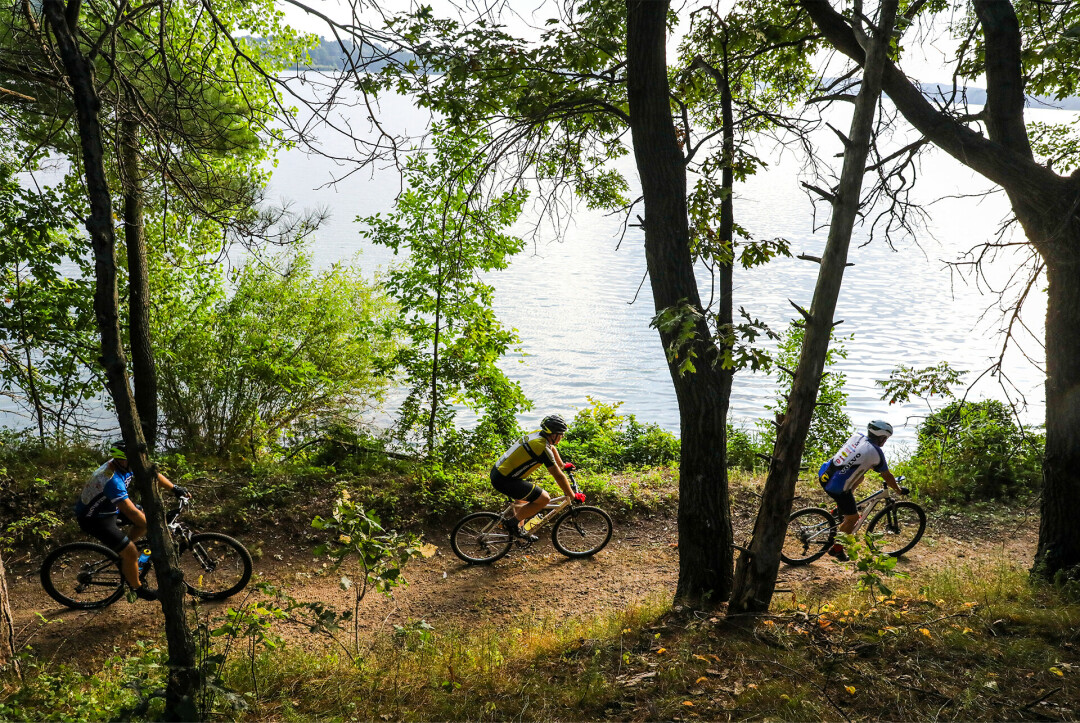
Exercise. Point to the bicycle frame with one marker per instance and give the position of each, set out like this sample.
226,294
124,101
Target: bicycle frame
866,505
550,513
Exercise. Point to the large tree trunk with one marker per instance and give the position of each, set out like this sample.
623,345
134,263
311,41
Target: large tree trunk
183,680
1047,206
144,375
705,537
757,568
7,624
1059,534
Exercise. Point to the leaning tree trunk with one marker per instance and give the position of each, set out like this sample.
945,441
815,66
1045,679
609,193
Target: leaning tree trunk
7,624
705,538
757,568
183,680
144,375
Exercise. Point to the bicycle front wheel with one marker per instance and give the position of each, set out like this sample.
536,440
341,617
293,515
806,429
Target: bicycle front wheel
581,532
901,525
810,533
215,566
82,576
480,538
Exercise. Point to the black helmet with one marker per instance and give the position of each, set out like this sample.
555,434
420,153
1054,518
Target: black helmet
118,450
880,429
553,424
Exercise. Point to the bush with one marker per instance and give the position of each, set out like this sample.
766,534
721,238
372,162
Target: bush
287,349
743,448
971,450
599,438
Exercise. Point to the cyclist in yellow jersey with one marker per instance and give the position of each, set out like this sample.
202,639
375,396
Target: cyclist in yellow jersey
534,450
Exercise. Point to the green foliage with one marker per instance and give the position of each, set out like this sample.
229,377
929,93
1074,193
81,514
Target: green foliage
359,535
283,351
830,426
971,450
48,343
744,448
452,232
872,563
599,438
905,382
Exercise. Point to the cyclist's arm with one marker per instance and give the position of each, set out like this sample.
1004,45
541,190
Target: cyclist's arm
559,475
890,480
133,514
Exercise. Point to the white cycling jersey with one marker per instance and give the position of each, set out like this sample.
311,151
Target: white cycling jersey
846,469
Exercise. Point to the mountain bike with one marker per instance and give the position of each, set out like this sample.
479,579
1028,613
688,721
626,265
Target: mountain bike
812,531
578,530
86,575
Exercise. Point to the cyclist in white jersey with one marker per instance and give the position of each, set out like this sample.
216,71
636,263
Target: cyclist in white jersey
842,474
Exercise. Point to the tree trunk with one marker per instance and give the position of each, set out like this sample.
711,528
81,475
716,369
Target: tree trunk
7,624
144,375
183,681
1059,535
756,571
705,536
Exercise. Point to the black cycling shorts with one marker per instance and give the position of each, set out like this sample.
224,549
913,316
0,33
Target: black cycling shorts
514,487
845,501
105,529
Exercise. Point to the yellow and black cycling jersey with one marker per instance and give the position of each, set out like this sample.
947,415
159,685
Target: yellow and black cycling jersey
526,456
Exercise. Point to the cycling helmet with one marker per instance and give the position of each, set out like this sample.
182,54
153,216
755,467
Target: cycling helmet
879,429
553,424
118,450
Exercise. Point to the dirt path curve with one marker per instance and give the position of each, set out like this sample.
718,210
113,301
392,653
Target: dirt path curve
640,561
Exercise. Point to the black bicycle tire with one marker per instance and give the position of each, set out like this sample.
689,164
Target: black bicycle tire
918,535
237,547
478,560
50,588
806,512
569,515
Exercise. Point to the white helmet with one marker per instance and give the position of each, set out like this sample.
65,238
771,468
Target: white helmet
880,429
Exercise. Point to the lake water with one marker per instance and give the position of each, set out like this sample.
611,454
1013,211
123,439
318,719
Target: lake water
581,303
582,311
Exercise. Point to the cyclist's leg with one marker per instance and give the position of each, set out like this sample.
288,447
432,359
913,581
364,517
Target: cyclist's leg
530,497
108,533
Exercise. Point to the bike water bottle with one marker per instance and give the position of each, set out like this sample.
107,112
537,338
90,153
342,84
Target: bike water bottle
144,557
534,521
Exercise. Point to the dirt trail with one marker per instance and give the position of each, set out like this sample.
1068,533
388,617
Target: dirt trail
640,561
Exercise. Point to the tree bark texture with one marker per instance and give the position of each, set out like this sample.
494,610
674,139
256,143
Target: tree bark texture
144,375
705,536
183,679
1048,208
7,624
756,570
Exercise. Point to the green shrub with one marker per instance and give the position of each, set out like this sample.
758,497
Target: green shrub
743,448
973,450
599,438
278,350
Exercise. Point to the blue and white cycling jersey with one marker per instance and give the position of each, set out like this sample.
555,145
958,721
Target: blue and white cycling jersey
103,490
846,469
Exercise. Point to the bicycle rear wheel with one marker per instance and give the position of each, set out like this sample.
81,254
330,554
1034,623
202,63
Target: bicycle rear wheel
479,538
901,525
581,532
810,533
82,576
215,566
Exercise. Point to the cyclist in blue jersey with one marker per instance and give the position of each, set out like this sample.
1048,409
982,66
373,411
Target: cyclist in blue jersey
842,474
104,501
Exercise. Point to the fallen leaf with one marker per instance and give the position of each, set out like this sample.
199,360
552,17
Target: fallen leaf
661,651
686,702
428,550
701,657
925,632
700,679
850,689
1057,671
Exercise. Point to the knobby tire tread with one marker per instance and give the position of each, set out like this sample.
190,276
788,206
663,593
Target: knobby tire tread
918,535
237,547
478,560
568,519
825,516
